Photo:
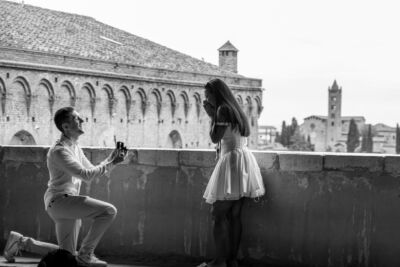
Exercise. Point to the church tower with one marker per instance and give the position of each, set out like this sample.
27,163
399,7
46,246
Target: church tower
228,57
334,121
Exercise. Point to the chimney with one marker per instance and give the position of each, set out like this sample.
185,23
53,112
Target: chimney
228,57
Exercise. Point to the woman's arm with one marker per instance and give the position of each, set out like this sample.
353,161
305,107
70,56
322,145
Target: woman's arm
219,124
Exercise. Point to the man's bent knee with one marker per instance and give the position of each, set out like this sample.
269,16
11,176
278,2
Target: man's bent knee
111,211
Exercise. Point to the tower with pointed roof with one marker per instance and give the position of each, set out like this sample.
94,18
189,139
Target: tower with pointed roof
334,114
228,57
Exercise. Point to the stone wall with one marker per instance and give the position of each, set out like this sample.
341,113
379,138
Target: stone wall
319,210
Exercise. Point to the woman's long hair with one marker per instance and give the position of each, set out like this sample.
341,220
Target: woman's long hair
224,96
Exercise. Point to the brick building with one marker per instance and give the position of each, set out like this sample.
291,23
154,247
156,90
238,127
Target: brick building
144,93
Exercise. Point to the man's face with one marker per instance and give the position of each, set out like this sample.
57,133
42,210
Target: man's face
75,124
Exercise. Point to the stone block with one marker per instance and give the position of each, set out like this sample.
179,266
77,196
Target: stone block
300,161
392,164
266,160
25,153
97,155
158,157
198,158
147,157
346,162
167,158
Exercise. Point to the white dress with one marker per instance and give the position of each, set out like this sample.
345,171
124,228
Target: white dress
236,173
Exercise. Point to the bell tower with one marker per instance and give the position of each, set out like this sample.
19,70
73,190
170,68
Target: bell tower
334,121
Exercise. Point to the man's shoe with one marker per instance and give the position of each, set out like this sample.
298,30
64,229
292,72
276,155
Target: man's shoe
12,246
90,260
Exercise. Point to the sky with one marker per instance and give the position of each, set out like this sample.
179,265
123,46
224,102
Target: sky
298,48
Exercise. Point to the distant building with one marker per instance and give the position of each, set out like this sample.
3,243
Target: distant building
266,136
384,139
329,133
123,85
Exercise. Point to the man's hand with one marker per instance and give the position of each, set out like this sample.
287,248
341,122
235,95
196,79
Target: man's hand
112,155
121,152
209,108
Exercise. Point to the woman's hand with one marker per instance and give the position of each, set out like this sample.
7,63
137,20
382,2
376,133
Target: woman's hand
209,108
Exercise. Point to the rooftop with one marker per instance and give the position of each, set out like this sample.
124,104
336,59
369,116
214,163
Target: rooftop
37,29
228,46
343,118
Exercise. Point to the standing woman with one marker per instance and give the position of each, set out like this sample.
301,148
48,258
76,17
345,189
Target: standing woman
236,174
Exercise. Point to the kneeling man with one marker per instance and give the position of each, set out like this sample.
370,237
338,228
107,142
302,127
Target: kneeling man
68,167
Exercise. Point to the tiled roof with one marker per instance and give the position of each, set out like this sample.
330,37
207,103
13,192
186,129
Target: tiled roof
343,118
228,47
380,127
38,29
316,117
356,118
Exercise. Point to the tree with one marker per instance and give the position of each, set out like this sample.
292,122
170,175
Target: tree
292,130
364,141
353,138
397,139
299,142
369,142
293,126
277,137
283,136
287,132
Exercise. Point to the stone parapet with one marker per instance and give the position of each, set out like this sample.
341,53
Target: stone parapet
320,209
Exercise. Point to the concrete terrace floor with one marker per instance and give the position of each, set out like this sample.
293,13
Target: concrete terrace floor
33,262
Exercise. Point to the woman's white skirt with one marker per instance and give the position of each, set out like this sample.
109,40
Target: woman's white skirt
236,175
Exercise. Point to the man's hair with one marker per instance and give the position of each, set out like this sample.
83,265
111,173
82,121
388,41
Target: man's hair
62,115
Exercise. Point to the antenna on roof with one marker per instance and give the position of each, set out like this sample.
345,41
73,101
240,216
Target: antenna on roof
22,2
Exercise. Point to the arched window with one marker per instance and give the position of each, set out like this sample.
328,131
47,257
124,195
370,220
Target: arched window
157,95
45,93
21,96
87,100
197,99
174,140
66,96
22,138
139,105
3,96
124,100
259,105
172,102
186,105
